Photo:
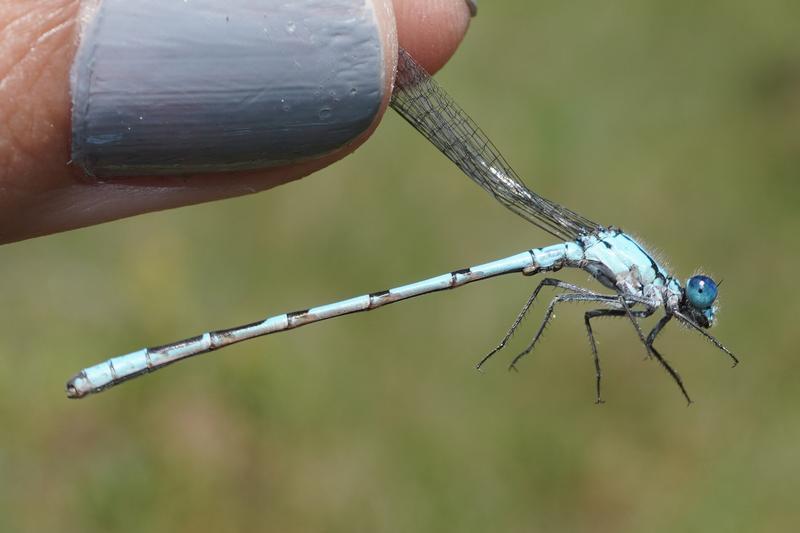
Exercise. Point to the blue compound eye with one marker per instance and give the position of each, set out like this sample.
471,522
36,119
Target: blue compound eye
701,291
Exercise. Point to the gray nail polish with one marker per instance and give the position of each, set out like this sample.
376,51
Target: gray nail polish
203,85
473,7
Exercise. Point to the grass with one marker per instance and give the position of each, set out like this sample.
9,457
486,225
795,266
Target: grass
677,121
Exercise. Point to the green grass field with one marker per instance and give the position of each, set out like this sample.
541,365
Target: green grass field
678,121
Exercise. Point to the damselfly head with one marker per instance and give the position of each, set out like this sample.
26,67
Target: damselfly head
701,292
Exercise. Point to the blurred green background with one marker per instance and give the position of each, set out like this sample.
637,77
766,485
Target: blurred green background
679,121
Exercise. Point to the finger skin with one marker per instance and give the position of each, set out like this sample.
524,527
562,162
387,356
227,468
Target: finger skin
41,194
431,30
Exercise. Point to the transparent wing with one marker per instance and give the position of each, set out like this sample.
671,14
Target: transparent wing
432,112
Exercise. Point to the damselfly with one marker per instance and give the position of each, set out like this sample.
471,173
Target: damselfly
638,285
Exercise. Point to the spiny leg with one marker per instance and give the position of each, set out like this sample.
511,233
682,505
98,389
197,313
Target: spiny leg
652,349
630,316
550,282
596,313
689,322
629,313
570,297
663,321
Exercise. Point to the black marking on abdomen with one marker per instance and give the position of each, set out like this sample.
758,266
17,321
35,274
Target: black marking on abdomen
376,299
454,276
296,314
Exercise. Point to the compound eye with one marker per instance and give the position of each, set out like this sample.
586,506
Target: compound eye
701,291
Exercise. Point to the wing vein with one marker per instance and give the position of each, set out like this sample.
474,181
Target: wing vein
434,113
